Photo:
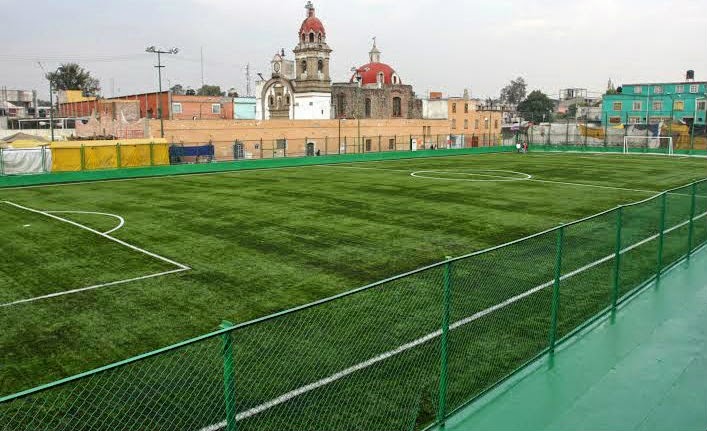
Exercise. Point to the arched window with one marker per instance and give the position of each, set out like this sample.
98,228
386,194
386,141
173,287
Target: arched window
380,78
367,108
395,79
340,105
287,100
311,37
320,65
271,101
304,38
319,38
304,66
397,107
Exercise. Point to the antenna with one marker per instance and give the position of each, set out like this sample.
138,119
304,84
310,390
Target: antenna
202,66
248,92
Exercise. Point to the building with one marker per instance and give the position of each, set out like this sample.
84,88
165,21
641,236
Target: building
375,91
244,108
17,103
470,121
652,103
577,97
200,108
300,89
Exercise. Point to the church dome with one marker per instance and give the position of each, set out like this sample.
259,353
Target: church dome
376,72
311,24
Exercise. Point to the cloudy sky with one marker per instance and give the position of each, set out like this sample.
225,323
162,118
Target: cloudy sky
433,45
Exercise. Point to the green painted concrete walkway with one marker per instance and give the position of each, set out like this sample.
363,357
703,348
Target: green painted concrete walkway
645,371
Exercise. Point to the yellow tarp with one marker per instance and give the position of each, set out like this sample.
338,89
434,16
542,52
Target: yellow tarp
68,156
591,132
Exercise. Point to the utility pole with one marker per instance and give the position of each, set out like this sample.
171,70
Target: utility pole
159,52
51,101
202,67
248,92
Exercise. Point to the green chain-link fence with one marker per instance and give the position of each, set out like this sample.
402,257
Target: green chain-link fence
400,354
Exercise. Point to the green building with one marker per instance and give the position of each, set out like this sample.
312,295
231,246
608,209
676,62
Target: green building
652,103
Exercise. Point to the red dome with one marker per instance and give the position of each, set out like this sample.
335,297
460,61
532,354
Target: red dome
312,24
369,74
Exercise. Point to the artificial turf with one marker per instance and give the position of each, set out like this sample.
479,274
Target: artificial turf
262,241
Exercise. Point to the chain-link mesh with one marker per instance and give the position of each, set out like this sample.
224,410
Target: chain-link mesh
400,354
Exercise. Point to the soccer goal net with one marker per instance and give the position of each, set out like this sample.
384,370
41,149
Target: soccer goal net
648,144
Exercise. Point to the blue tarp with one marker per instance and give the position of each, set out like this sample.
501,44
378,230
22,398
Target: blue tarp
178,152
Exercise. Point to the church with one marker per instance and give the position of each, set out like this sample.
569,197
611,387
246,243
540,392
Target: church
301,89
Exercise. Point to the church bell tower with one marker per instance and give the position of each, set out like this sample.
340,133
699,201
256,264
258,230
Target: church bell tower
312,56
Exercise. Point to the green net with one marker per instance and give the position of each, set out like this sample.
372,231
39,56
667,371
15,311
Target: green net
400,354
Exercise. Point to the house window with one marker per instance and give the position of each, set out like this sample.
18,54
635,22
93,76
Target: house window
176,108
454,123
454,108
486,123
391,144
679,88
368,145
634,120
495,124
320,65
340,104
615,120
657,105
466,123
616,106
215,108
476,123
637,105
657,89
367,108
701,105
466,108
637,89
397,107
694,88
679,105
281,144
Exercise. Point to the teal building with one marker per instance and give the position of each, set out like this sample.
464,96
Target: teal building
651,103
244,108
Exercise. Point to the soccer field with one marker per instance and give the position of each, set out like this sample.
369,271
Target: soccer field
96,272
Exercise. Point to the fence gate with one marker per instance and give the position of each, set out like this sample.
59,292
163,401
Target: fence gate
310,148
238,152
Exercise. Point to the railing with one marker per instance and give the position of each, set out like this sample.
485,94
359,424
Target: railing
403,353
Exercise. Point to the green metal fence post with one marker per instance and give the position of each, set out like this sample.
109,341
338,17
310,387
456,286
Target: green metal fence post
661,236
326,145
152,154
617,259
556,288
83,157
117,154
442,408
691,226
2,167
229,379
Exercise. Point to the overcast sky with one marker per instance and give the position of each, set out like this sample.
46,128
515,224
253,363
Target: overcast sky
433,45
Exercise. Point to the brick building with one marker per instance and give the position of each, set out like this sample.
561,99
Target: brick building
375,91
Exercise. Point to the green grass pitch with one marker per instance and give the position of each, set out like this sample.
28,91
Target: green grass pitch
197,249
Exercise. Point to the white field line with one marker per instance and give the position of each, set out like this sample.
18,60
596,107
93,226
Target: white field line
432,335
121,220
181,267
104,235
96,286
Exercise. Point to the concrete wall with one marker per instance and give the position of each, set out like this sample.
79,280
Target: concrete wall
434,109
312,106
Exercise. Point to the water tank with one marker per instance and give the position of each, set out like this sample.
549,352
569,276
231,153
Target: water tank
690,76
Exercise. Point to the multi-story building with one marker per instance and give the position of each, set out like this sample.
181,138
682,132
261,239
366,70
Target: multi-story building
652,103
17,103
478,124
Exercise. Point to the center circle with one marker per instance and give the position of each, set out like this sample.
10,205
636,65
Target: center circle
476,175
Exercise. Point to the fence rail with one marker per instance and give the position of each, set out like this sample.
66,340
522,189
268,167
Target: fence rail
400,354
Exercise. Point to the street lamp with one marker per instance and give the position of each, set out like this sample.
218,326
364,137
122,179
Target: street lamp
159,52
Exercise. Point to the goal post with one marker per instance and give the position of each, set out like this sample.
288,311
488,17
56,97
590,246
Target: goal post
648,144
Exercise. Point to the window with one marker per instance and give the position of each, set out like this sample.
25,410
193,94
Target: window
176,108
466,108
637,89
466,123
215,108
476,123
281,144
701,105
694,88
304,38
486,123
320,65
679,88
615,120
287,100
319,38
657,89
395,79
616,106
657,105
304,66
367,108
634,120
340,104
391,144
495,124
368,145
397,107
271,101
380,78
679,105
311,37
454,108
454,123
637,105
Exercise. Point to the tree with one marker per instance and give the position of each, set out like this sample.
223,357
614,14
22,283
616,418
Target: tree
177,90
537,107
71,76
210,90
514,92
